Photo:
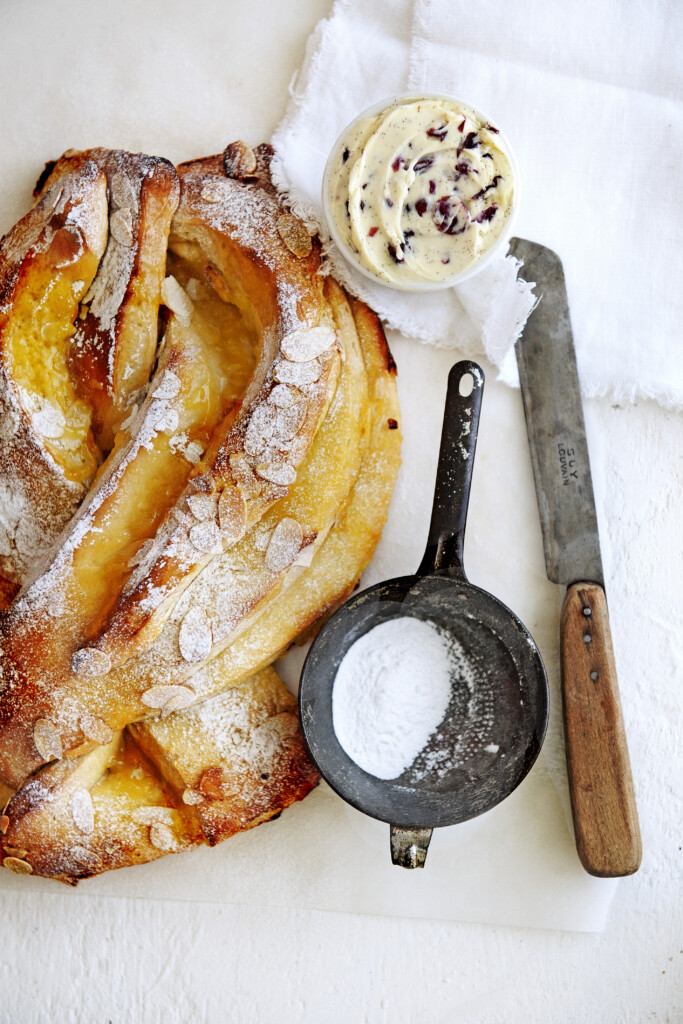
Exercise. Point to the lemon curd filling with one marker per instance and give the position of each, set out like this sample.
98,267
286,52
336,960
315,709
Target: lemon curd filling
37,343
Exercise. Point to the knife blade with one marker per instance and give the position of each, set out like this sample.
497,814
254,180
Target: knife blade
600,782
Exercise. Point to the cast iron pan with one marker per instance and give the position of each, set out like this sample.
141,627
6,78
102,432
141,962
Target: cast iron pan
498,725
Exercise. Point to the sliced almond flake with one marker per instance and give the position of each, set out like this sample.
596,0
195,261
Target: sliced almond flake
306,556
175,704
212,193
18,866
157,696
298,374
142,553
46,739
245,478
95,729
178,702
288,422
284,544
162,838
90,663
206,538
307,343
193,452
260,429
283,396
170,384
52,196
277,472
211,783
203,506
122,190
4,823
15,851
121,226
232,514
239,160
177,300
204,483
82,856
194,638
293,233
82,811
152,815
182,519
192,797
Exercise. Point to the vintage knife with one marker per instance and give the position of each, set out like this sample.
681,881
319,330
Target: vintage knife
600,783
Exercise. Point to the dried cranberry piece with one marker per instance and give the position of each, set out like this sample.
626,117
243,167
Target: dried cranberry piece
439,131
432,186
423,164
421,207
446,260
373,231
496,131
396,164
487,214
394,255
471,142
451,216
461,126
483,191
463,167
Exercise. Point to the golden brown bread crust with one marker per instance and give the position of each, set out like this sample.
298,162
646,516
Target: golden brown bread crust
41,834
221,602
230,233
348,547
187,760
47,262
113,348
281,293
192,791
193,779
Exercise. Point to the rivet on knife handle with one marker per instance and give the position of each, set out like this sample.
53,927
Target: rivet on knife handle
600,783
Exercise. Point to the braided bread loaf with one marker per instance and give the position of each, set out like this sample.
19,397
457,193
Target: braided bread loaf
240,502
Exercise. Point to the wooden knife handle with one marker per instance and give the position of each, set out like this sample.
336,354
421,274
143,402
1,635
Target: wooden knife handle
600,783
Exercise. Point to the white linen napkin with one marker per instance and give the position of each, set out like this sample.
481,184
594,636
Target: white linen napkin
597,133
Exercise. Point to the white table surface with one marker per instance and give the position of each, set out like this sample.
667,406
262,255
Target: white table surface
98,959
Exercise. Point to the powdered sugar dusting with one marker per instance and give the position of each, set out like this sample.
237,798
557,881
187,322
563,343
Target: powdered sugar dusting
396,689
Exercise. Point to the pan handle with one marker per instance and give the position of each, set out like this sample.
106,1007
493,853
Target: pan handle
444,552
409,846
